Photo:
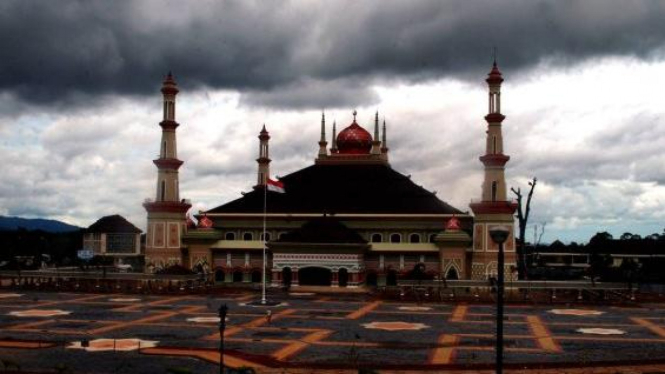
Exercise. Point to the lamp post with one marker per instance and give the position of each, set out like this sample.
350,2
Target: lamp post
223,309
499,236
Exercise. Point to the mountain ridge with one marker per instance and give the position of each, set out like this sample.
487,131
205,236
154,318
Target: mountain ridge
30,224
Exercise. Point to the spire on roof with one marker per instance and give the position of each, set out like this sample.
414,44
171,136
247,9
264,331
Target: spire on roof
376,126
323,151
333,149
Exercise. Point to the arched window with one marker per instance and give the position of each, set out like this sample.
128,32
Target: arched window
247,236
377,238
414,238
281,235
494,144
163,192
395,238
432,238
267,236
230,236
494,191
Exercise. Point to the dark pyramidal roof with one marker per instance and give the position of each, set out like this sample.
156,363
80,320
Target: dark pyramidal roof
339,189
113,224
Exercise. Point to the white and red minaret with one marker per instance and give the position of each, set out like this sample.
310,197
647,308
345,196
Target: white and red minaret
264,157
494,208
167,219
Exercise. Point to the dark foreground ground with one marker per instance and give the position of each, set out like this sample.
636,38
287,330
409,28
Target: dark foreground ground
155,334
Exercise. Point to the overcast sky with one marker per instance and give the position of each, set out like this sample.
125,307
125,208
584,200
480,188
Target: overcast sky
80,101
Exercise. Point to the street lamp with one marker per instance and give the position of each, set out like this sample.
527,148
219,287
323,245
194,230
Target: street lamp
499,236
223,309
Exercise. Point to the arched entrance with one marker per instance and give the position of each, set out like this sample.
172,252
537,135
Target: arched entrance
371,279
314,276
237,276
452,274
286,277
391,278
256,276
219,275
343,277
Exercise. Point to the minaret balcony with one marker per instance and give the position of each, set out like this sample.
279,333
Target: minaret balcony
493,207
168,163
494,159
181,206
168,124
495,117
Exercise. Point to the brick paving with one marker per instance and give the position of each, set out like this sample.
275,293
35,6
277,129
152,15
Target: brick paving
309,332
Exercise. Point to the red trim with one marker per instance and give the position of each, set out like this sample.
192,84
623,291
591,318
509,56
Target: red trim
495,117
494,207
168,163
169,87
167,206
494,159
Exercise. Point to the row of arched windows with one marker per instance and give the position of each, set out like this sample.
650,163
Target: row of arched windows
248,236
374,238
397,238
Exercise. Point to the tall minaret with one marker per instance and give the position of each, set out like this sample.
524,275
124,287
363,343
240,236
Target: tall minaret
166,213
376,143
494,208
323,151
264,157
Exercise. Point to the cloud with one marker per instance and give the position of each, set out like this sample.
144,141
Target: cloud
283,56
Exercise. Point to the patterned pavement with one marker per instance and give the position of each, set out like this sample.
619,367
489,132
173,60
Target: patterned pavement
139,333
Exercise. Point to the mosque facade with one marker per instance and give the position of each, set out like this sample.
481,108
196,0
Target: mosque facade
347,220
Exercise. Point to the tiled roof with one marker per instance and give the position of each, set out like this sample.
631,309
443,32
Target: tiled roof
339,189
113,224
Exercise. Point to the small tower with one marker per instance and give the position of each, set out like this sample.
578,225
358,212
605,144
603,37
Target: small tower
494,208
167,219
323,144
376,143
264,157
333,148
384,142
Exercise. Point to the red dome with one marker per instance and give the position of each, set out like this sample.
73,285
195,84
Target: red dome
354,140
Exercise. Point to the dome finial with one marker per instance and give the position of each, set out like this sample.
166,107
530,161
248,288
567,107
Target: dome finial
354,115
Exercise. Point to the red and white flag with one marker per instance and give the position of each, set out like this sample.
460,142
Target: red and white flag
275,186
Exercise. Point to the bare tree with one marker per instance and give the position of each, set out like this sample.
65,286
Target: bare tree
523,211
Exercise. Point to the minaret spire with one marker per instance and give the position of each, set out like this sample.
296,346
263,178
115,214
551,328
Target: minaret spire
333,149
166,213
323,144
264,157
384,142
376,143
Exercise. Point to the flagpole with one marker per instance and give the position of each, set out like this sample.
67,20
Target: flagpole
265,201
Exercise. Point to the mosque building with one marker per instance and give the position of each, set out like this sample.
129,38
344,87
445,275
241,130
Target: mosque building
347,220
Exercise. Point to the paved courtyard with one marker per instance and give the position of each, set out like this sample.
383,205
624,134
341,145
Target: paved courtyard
117,333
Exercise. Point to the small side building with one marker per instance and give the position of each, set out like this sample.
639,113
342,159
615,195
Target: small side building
115,237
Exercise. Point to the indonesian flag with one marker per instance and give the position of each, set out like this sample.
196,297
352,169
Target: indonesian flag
275,186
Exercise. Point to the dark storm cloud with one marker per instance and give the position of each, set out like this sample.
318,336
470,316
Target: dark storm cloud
53,50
